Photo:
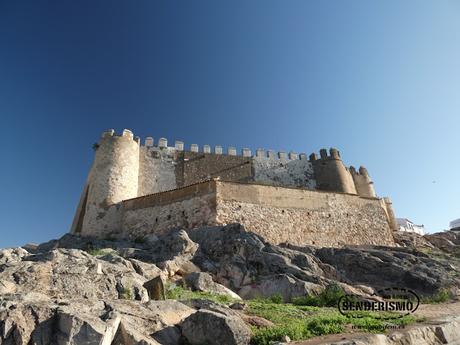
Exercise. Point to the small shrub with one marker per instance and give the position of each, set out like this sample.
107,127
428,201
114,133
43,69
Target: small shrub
277,298
126,293
327,298
181,293
440,297
97,252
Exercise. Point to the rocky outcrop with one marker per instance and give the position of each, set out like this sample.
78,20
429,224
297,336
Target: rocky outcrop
245,263
86,321
83,291
385,267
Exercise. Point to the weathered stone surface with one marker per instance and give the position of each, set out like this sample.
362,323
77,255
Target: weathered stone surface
386,267
209,327
156,288
203,282
282,284
256,321
79,321
447,241
411,239
64,273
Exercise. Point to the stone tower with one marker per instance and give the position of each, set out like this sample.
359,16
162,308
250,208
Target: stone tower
363,183
331,174
113,178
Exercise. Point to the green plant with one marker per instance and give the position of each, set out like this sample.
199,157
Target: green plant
276,298
98,252
440,297
329,297
126,293
183,294
301,322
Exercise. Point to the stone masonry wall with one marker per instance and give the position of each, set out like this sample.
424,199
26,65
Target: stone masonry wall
284,172
297,216
188,207
156,170
303,216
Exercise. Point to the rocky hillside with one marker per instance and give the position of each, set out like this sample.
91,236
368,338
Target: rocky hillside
84,291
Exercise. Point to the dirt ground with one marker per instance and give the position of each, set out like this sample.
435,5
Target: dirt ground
430,311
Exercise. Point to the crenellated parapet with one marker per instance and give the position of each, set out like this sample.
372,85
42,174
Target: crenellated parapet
180,146
363,183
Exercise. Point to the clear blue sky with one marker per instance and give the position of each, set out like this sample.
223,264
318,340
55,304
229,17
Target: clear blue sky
379,80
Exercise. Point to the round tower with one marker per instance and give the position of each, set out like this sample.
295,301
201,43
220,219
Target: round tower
331,174
113,178
363,183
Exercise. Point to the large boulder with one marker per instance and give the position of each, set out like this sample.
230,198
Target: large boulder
286,286
210,327
200,281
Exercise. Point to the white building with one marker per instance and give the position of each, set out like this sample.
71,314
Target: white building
455,224
408,226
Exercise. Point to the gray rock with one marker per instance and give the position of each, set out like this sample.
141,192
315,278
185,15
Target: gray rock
203,282
282,284
209,327
156,288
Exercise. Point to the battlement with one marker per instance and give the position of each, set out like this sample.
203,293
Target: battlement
323,155
126,133
180,146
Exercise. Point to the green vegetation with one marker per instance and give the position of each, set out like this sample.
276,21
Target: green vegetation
183,294
126,293
440,297
306,317
302,322
99,252
328,298
277,298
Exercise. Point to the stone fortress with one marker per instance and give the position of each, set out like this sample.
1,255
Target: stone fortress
134,190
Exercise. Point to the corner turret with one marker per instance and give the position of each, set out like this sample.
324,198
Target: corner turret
330,172
363,183
113,177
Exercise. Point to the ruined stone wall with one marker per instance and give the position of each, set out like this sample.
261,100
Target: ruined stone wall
303,216
188,207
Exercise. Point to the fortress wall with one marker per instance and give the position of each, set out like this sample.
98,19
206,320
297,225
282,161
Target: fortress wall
157,172
188,207
303,216
194,167
287,172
